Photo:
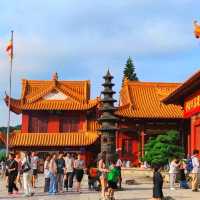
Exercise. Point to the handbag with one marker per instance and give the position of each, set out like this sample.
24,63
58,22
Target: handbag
26,167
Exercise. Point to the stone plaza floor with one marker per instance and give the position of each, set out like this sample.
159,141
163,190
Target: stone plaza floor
138,191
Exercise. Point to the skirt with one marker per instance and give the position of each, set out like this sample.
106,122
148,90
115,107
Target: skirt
112,184
79,174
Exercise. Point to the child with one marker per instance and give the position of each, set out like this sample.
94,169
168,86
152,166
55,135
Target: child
157,184
183,181
92,178
112,177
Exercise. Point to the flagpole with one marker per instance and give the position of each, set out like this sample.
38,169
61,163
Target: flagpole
10,84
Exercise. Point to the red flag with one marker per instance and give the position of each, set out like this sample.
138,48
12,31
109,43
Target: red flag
196,29
9,48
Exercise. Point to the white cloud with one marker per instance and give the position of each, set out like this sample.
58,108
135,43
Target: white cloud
80,38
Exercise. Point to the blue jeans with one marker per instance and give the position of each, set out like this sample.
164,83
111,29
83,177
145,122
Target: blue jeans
53,184
184,184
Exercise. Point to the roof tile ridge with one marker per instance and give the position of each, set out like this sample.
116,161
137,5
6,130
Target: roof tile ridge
128,89
39,95
153,84
87,90
125,106
70,92
24,88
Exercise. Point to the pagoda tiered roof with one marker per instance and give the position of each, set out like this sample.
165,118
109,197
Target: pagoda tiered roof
76,93
143,100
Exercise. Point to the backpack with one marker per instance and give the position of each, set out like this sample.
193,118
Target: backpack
189,165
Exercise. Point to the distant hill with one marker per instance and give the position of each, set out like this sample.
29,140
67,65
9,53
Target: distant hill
12,128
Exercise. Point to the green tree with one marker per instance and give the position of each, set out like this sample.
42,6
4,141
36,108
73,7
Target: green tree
163,148
129,71
2,156
12,128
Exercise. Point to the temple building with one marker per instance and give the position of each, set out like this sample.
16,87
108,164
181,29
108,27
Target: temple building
60,116
56,116
187,95
143,114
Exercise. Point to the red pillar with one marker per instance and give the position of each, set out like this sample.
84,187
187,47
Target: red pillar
25,123
193,119
142,142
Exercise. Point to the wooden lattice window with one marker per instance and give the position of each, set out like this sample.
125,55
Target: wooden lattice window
38,124
70,124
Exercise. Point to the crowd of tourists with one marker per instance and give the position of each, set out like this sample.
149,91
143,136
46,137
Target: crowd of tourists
64,172
60,172
184,170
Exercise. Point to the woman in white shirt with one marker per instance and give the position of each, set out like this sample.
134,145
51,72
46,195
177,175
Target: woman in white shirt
46,173
26,167
173,170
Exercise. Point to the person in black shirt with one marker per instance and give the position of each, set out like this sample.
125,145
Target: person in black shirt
60,162
157,183
12,174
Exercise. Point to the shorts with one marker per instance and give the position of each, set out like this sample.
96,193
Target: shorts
112,184
34,172
79,174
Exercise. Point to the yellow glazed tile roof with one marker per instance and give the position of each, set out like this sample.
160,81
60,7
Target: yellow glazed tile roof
78,93
53,139
144,100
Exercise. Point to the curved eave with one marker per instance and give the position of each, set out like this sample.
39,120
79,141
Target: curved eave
189,86
17,106
3,138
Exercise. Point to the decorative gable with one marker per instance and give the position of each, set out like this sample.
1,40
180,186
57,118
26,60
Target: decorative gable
55,95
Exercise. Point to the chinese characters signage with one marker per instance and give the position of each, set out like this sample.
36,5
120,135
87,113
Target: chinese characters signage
192,106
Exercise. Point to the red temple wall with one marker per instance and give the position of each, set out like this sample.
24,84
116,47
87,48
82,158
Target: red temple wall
193,112
53,120
195,133
53,124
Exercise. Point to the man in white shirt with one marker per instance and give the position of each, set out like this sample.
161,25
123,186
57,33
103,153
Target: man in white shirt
195,170
69,171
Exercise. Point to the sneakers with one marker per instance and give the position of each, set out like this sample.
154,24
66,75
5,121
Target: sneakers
26,195
195,190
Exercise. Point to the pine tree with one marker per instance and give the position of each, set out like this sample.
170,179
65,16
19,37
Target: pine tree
129,71
163,148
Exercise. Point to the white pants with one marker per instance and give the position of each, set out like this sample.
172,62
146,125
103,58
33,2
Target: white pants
172,179
27,182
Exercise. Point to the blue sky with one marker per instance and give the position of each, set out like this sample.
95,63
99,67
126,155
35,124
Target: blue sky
81,39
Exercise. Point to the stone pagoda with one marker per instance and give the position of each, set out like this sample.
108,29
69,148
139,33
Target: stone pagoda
107,118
